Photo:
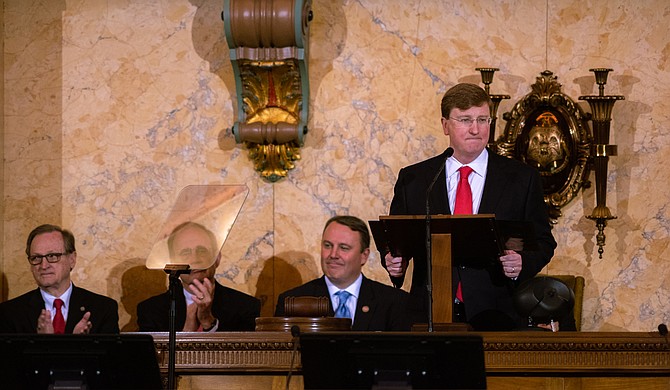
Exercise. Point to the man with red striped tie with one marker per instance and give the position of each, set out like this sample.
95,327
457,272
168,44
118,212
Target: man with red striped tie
57,305
474,180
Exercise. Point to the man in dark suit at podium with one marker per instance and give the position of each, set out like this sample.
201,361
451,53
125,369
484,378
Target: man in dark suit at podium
491,184
57,305
202,305
372,306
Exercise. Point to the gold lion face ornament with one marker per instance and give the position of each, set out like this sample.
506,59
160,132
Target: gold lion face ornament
547,149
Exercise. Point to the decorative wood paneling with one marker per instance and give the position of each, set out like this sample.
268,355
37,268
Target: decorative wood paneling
532,353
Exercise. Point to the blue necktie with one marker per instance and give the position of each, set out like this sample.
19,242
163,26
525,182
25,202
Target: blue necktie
342,309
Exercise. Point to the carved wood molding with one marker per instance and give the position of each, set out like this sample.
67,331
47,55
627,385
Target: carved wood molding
531,353
268,41
234,351
581,352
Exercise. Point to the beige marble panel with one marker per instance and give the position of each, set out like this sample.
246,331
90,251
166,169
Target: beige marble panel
112,107
32,165
3,281
629,287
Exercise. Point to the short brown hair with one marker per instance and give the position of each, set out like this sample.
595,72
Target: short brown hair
355,224
68,237
464,96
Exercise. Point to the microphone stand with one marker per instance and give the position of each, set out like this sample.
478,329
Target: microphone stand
295,332
429,246
173,270
429,269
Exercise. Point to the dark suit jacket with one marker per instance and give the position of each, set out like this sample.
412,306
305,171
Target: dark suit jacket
19,315
386,306
235,310
512,191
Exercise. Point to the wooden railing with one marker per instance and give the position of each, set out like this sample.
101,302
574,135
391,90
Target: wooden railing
562,360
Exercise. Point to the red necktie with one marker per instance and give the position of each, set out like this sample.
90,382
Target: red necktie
463,205
463,192
59,321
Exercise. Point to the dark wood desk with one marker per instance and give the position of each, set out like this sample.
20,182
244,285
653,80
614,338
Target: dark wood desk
514,360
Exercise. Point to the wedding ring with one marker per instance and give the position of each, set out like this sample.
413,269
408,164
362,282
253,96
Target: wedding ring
201,297
513,270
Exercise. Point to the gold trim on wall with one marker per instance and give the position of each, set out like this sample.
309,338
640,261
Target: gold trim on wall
268,51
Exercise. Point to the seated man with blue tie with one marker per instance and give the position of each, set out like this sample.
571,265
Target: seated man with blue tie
372,306
57,305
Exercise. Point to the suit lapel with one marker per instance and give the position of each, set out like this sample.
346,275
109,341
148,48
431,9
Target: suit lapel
73,309
494,184
180,308
320,289
35,306
76,310
365,307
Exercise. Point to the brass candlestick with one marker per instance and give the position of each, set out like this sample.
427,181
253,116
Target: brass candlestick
601,111
487,79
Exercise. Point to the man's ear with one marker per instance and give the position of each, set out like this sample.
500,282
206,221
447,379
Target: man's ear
364,256
73,260
445,125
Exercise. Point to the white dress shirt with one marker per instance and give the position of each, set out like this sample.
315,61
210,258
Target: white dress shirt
476,179
49,302
353,289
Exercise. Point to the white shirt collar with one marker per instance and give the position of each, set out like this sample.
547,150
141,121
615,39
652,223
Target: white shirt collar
478,165
353,289
49,299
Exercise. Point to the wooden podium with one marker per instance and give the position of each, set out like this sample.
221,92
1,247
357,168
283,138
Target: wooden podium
455,240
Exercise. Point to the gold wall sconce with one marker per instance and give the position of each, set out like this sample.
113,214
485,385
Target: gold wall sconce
487,79
268,51
601,117
546,129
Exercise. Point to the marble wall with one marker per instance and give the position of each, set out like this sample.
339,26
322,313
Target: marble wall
111,107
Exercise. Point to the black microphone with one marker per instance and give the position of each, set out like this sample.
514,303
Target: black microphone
295,332
429,260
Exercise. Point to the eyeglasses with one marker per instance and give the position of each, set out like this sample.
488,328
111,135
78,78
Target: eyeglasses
51,258
467,122
200,253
